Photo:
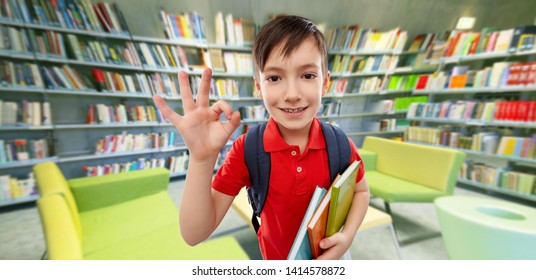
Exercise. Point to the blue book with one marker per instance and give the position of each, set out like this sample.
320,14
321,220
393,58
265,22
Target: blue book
3,158
171,138
301,248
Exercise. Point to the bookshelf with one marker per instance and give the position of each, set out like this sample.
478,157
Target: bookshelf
111,67
489,116
72,140
373,73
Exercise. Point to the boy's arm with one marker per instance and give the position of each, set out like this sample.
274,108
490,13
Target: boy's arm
205,135
202,207
337,244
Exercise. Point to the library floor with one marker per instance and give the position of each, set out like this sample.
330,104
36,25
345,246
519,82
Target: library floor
21,237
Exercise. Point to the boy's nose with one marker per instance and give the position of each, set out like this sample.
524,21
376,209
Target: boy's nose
292,92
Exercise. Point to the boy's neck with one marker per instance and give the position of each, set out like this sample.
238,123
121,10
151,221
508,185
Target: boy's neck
296,137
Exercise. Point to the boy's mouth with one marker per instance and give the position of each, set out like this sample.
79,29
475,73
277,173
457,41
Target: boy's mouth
293,110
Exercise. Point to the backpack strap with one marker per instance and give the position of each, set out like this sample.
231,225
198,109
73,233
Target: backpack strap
258,164
338,147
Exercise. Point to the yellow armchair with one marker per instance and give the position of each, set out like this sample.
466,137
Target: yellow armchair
120,216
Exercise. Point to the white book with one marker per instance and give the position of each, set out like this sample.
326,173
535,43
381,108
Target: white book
167,25
11,109
496,73
113,17
162,56
220,28
147,54
36,115
102,113
47,116
5,190
75,46
36,75
16,44
230,29
64,80
238,31
134,54
301,248
130,83
229,61
503,40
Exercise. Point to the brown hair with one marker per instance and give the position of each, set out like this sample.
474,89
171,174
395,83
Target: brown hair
291,31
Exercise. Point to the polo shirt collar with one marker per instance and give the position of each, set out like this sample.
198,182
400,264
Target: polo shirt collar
273,141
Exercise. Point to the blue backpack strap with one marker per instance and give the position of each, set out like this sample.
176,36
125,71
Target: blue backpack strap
339,151
258,164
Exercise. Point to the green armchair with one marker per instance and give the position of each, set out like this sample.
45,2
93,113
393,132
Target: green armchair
405,172
121,216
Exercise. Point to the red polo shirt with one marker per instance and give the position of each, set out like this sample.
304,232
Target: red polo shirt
293,179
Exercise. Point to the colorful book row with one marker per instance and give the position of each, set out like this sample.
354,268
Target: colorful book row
134,142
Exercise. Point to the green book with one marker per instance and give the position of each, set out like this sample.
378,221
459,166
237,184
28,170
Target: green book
342,194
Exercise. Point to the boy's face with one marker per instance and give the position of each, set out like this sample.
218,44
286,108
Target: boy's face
292,87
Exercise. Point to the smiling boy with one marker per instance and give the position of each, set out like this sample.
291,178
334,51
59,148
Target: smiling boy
291,77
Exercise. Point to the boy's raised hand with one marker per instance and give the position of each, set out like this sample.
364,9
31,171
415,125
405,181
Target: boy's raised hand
200,126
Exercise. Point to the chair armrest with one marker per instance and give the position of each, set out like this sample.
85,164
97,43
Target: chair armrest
369,159
96,192
61,238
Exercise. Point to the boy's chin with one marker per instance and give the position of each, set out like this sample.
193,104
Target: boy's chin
294,124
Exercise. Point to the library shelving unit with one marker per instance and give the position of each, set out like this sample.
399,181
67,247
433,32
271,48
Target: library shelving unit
109,67
489,117
372,73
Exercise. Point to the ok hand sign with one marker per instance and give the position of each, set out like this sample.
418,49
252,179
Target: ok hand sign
200,126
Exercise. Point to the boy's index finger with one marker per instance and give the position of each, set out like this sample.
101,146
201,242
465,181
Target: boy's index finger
204,88
186,92
166,111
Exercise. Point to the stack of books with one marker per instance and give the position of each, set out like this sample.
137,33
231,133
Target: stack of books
325,215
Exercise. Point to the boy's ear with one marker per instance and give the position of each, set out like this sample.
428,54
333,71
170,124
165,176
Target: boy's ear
257,86
325,83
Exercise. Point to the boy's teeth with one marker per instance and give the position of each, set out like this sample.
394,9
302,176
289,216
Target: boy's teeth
294,110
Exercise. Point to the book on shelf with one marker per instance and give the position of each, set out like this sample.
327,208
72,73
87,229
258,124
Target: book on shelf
301,248
216,57
219,30
11,187
522,37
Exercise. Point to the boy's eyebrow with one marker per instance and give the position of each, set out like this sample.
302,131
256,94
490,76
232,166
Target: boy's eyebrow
304,66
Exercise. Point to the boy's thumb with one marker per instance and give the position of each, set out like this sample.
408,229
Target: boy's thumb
327,242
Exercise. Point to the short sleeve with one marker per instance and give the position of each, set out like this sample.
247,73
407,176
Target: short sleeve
233,175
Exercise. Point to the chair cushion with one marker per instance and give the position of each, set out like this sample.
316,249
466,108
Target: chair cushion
144,247
393,189
374,218
107,226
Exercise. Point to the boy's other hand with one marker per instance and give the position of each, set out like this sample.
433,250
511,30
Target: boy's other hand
200,126
335,246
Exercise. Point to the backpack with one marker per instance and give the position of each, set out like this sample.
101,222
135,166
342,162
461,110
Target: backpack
258,162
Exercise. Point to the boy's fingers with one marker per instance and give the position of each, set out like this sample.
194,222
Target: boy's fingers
233,117
204,88
233,123
222,107
328,242
166,111
186,92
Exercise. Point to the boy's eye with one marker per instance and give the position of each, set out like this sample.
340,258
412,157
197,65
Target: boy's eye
309,76
273,79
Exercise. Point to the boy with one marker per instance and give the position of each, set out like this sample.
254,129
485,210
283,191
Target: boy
291,76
